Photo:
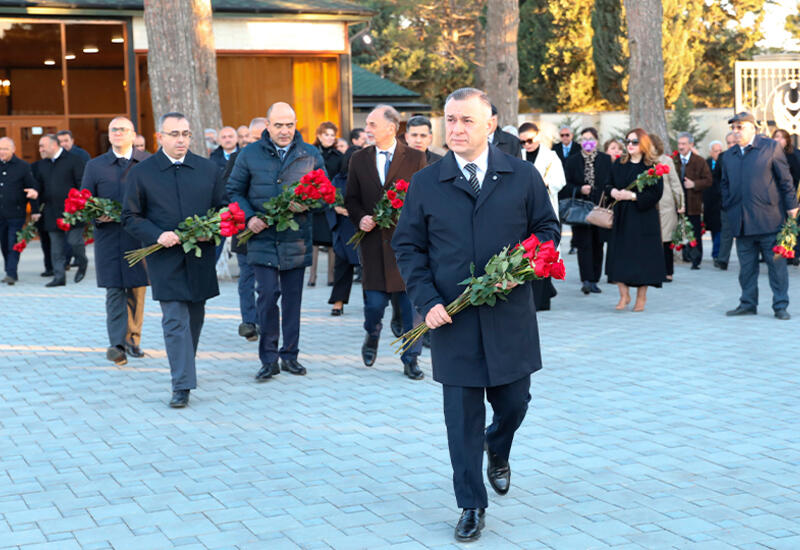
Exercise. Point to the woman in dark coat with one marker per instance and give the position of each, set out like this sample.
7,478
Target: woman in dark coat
346,255
321,232
793,158
635,256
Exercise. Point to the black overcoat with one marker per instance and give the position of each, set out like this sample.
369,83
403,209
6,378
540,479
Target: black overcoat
507,143
55,179
158,196
105,177
757,188
573,171
15,177
443,228
635,251
712,197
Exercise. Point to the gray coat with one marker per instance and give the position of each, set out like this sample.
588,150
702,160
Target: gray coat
259,175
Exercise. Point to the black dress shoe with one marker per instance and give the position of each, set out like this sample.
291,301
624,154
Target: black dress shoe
134,351
293,367
741,310
57,282
9,280
180,398
413,371
337,312
46,273
248,331
722,265
470,524
81,271
572,250
396,324
594,288
694,267
782,314
266,372
369,351
312,283
586,288
499,473
117,355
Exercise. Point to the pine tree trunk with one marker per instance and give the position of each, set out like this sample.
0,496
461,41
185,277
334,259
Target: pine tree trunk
501,74
646,85
182,64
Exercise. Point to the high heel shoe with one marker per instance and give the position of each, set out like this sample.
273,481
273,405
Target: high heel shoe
623,303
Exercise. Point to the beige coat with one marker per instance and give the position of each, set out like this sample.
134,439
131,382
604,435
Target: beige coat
671,200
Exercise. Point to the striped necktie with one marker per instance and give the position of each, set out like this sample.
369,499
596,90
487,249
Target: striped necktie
472,168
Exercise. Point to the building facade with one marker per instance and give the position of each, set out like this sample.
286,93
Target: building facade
76,65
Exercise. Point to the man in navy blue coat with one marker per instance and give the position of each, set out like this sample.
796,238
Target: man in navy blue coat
263,170
105,177
462,210
757,195
160,193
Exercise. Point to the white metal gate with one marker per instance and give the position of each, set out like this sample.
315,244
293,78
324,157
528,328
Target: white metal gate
770,89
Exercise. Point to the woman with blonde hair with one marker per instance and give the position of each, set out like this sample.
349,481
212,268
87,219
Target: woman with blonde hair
635,256
670,205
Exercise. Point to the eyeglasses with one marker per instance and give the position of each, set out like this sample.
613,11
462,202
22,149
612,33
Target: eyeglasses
632,141
565,135
529,141
176,134
119,130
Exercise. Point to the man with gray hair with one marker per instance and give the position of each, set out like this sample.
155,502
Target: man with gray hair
228,145
373,170
712,199
695,177
726,236
17,189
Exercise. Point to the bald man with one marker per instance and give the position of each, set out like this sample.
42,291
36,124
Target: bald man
17,189
263,170
243,136
228,145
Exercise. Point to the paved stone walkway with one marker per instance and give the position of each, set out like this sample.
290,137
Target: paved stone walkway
675,428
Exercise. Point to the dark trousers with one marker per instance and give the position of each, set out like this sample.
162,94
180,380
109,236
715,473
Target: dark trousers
58,252
342,280
465,418
8,238
247,290
669,259
716,238
748,249
287,285
44,238
590,252
124,315
697,226
182,323
375,302
725,239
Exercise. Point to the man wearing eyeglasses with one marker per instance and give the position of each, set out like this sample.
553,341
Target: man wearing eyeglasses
757,195
105,177
161,192
566,148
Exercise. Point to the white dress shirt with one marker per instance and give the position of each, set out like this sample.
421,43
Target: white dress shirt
380,159
172,160
128,155
482,162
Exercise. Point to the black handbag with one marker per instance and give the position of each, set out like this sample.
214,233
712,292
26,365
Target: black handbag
573,211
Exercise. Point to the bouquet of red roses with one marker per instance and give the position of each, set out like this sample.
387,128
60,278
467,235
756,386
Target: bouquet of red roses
81,206
197,229
386,211
646,179
24,235
530,260
787,240
279,211
683,234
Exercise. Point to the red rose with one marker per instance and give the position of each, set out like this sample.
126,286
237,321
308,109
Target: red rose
225,216
88,241
530,243
397,204
693,243
314,193
62,225
790,253
86,194
664,169
391,194
20,246
777,249
679,247
558,271
542,269
675,154
401,185
74,194
547,253
651,172
70,207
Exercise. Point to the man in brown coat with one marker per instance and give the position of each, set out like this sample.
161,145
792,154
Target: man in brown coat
695,177
372,171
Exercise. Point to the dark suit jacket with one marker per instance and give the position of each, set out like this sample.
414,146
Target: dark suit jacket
105,178
712,197
81,153
15,177
574,149
378,264
158,197
508,143
444,228
218,157
698,171
573,170
431,157
757,188
55,180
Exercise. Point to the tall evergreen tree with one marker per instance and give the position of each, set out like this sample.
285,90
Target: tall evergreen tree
609,51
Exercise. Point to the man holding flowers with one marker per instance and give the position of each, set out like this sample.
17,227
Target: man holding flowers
460,212
105,177
263,170
161,192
